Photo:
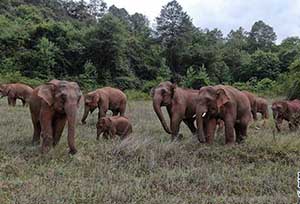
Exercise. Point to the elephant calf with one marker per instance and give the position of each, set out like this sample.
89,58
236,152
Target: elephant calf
112,126
16,91
51,106
284,110
104,99
262,107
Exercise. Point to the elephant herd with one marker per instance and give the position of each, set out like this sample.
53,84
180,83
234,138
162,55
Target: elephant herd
56,103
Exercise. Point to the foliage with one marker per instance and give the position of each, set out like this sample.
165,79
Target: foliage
196,78
16,77
99,46
294,91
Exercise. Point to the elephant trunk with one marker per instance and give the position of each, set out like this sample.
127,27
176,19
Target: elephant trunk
157,109
71,118
86,113
200,129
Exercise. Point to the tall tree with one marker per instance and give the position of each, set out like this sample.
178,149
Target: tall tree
174,28
261,36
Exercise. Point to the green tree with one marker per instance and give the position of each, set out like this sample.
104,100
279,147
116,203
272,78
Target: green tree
174,28
106,48
261,36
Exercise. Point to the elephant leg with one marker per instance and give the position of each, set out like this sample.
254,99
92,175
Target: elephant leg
105,135
175,124
278,124
9,101
122,109
23,102
238,133
46,129
243,133
190,123
14,101
210,128
36,133
229,130
102,112
58,127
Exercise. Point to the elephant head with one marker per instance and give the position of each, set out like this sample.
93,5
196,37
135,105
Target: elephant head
91,101
210,102
4,90
279,109
103,125
162,95
64,98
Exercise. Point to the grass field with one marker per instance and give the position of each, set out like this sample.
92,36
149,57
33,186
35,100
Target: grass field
146,168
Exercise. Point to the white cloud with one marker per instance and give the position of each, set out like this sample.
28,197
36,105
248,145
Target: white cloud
282,15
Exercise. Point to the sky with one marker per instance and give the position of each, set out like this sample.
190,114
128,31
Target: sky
282,15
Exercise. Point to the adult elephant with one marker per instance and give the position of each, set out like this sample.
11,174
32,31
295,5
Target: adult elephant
51,106
104,99
225,103
180,104
252,99
284,110
16,91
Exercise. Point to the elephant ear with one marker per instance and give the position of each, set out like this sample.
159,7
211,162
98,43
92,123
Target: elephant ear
108,123
46,92
222,97
152,91
96,98
284,106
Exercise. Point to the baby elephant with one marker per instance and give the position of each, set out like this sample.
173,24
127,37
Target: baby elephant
112,126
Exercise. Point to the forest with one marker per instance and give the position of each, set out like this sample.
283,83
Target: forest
96,45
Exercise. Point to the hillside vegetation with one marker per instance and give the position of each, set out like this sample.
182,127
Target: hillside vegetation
147,167
97,45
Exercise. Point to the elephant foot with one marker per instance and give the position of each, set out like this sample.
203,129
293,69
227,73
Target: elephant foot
72,151
178,137
83,122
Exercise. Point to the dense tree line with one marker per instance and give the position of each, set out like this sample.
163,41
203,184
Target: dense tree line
96,45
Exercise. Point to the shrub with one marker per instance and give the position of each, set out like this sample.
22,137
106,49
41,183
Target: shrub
14,77
125,82
137,95
294,91
196,79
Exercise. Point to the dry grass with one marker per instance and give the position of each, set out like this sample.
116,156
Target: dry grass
146,168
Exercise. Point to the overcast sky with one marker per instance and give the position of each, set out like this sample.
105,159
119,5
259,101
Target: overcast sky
282,15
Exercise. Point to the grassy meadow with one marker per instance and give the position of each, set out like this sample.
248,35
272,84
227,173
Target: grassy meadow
147,167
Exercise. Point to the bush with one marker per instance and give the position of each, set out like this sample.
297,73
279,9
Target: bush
265,86
16,77
148,85
294,91
124,83
196,79
137,95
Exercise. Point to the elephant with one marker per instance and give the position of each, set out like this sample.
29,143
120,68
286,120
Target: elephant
51,106
16,91
181,106
284,110
112,126
262,107
252,100
105,99
225,103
